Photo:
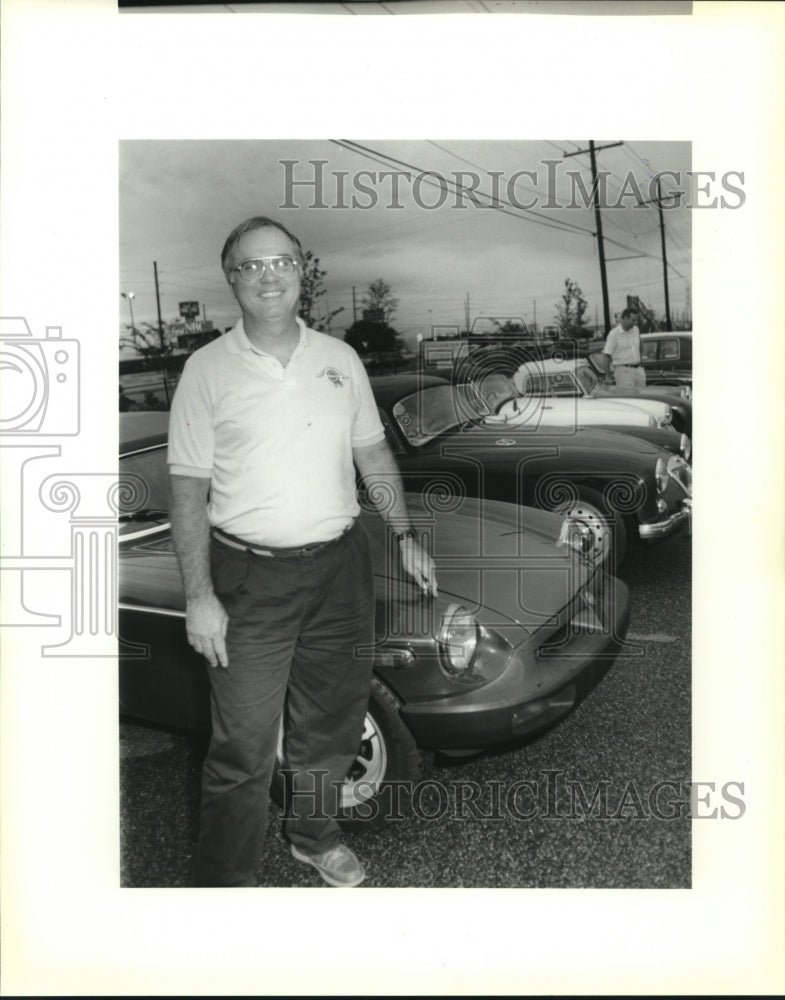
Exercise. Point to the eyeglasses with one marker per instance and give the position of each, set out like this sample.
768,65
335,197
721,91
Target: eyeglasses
254,267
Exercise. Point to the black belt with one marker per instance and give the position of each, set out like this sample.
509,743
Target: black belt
637,365
268,550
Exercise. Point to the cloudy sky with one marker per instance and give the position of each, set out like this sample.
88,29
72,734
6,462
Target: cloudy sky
403,211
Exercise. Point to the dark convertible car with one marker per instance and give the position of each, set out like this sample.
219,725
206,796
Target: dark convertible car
524,626
449,439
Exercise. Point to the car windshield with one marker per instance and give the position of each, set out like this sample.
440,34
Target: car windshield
430,412
540,383
587,379
144,489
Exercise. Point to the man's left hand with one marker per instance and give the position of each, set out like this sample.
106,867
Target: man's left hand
419,565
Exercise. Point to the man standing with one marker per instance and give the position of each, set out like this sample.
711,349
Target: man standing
623,350
268,422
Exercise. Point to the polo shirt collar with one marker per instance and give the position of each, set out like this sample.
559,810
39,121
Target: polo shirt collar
237,339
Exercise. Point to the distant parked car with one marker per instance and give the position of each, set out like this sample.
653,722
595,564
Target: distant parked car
559,392
561,388
667,357
525,625
588,378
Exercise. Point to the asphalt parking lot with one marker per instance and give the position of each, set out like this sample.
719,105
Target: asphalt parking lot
598,801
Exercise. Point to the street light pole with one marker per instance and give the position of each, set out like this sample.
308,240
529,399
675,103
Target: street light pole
130,297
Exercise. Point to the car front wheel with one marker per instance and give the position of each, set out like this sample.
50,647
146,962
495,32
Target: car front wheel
387,755
605,527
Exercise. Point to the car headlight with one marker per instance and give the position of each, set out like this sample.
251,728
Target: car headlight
675,469
458,637
685,447
686,392
467,649
680,472
661,474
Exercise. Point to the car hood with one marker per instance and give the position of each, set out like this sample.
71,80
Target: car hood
659,393
576,411
583,448
485,553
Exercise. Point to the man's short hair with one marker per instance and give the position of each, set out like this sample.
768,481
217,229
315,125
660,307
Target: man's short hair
257,222
629,312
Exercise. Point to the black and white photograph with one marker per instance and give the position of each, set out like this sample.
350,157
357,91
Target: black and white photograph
363,525
518,408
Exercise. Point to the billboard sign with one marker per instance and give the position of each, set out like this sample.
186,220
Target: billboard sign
189,310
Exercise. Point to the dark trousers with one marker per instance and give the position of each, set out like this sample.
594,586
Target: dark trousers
299,642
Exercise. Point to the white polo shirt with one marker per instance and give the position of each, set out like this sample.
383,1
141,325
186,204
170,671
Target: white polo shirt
623,346
275,442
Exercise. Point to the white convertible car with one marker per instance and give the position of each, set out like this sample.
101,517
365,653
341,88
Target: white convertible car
544,394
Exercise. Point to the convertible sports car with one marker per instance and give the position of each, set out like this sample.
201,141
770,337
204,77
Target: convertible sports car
524,626
677,396
449,438
562,391
561,386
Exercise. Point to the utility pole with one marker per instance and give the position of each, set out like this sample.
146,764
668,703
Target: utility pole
466,312
158,303
668,324
592,150
658,202
160,330
354,304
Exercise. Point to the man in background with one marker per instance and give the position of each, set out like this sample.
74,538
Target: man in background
622,352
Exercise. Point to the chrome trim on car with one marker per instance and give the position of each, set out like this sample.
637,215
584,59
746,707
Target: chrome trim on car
147,609
134,536
659,529
141,451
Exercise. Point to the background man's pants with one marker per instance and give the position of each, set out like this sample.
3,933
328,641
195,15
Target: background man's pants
302,624
629,377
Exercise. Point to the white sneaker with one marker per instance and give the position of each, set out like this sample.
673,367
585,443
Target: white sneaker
339,866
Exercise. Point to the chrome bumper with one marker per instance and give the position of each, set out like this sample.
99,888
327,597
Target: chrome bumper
661,529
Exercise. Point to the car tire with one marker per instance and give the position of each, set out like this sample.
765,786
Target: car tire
387,754
591,509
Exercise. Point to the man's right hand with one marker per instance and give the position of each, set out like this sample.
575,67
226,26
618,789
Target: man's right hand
205,626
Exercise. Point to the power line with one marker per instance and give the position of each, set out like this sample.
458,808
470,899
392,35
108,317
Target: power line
442,184
495,203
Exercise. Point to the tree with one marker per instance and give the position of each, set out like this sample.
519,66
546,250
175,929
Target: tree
153,344
512,327
571,310
156,345
370,338
379,302
311,289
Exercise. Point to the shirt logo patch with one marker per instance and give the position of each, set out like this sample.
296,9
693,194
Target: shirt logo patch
334,376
